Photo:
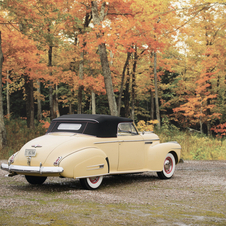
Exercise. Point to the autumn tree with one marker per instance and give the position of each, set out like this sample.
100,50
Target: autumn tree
203,66
2,125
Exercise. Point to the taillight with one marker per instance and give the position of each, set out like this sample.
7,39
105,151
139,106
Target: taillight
57,162
11,159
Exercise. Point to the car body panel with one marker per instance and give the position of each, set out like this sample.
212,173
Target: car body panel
161,150
82,155
86,162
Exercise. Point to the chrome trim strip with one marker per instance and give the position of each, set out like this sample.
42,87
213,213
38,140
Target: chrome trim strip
95,167
118,141
107,142
148,142
133,141
32,169
36,146
151,140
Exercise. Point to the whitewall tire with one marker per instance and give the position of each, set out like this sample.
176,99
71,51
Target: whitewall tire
91,183
168,167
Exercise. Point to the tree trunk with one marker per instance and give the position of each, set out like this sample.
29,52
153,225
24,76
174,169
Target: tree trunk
50,57
93,103
200,120
2,124
209,131
8,96
127,94
56,112
29,102
29,93
156,91
80,89
51,101
70,109
122,82
134,84
39,110
200,123
152,111
97,19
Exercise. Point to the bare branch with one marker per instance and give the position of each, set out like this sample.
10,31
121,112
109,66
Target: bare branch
192,7
187,21
87,7
219,29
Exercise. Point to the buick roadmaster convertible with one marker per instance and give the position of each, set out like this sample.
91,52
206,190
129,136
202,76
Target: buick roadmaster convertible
88,147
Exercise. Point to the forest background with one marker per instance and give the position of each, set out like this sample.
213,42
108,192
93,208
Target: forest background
157,62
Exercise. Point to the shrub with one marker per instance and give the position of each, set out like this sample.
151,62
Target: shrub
146,126
18,134
194,146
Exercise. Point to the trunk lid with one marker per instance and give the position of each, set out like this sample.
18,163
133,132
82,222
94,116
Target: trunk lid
37,150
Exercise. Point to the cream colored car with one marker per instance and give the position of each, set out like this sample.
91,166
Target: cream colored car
88,147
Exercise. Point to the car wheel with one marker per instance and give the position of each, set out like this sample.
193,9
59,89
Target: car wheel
91,183
35,180
168,168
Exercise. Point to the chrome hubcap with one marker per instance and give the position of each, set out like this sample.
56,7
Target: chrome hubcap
168,165
94,180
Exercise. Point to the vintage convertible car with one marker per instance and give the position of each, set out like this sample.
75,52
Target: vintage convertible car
89,147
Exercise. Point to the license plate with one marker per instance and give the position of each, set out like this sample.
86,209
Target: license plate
30,152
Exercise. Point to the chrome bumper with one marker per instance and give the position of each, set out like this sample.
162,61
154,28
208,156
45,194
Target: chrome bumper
31,169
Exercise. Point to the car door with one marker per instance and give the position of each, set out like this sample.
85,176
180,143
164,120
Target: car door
131,148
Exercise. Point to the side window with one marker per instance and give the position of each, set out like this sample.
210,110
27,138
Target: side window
126,129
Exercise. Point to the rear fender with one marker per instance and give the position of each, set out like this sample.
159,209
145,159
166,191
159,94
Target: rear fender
85,163
156,155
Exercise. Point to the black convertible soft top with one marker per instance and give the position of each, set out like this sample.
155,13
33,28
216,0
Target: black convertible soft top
96,125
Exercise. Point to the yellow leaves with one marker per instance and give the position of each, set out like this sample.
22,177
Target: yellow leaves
146,126
197,2
39,96
165,86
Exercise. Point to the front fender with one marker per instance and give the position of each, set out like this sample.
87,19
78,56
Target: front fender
156,155
85,163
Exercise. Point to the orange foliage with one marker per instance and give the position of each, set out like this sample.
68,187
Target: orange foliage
45,124
220,130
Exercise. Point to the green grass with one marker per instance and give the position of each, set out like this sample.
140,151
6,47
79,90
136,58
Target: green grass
93,213
194,146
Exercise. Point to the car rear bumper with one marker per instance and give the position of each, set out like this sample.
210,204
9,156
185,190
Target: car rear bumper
31,169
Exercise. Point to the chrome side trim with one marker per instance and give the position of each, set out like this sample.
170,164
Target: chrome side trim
107,142
95,167
36,146
31,169
133,141
119,141
151,140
